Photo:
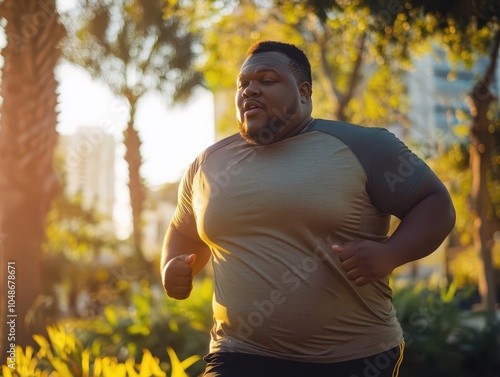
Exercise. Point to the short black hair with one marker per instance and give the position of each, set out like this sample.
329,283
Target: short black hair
299,62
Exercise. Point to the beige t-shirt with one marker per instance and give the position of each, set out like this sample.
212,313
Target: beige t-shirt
270,215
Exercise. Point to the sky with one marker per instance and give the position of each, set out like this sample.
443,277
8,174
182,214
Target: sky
172,136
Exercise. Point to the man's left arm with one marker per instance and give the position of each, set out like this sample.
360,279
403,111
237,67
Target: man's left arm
424,226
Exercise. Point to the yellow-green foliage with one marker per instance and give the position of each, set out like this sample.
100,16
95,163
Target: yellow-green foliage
62,356
331,48
467,265
143,317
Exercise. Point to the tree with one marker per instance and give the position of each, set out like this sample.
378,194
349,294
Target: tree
467,28
346,68
348,65
135,47
76,244
482,145
27,141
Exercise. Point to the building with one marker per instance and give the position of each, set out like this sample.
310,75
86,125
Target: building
438,93
159,209
89,166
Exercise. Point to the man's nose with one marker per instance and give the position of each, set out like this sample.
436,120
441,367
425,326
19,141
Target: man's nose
251,90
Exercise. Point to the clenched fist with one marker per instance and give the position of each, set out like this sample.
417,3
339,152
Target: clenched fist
178,276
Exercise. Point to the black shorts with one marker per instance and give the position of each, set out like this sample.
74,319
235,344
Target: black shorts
229,364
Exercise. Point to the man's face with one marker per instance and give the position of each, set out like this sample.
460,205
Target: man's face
270,104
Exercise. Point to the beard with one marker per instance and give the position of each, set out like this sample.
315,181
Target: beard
263,136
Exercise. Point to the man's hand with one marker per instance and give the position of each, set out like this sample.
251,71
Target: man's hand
178,276
364,261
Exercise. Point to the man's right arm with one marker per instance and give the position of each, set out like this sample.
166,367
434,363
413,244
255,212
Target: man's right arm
184,255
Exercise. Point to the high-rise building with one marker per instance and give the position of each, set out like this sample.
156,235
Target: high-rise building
438,93
89,165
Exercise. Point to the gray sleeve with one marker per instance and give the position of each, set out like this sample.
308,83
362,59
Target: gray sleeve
394,173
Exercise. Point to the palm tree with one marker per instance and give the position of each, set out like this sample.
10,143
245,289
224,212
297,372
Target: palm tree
27,141
135,47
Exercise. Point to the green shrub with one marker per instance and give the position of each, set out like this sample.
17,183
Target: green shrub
145,318
443,340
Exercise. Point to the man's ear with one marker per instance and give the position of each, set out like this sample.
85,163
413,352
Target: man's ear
305,91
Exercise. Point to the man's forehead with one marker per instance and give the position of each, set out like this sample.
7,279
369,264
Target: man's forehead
266,61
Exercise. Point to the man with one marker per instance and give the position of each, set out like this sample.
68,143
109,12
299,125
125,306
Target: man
294,212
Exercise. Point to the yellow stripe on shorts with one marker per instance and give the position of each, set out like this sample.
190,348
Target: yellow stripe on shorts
395,372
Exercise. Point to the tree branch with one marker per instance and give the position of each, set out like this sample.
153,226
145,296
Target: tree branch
353,79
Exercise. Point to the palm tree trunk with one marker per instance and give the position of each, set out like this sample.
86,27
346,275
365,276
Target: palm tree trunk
482,143
133,157
27,141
